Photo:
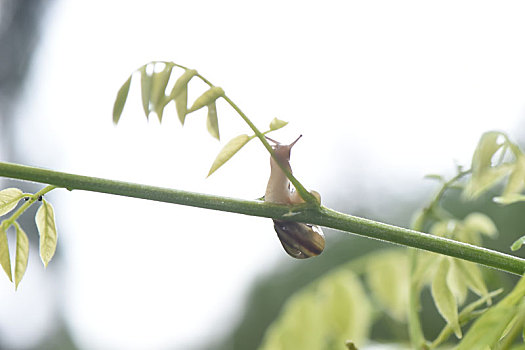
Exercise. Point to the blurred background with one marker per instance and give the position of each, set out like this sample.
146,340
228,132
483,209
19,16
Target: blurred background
383,93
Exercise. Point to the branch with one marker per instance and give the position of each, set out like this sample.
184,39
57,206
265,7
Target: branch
301,213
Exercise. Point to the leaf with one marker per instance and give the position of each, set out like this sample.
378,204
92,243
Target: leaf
518,243
232,147
158,89
472,277
208,97
517,177
456,282
323,315
22,254
181,103
436,177
488,145
9,198
182,83
386,276
212,123
509,198
45,222
120,101
5,260
443,297
145,87
480,223
483,181
488,328
276,124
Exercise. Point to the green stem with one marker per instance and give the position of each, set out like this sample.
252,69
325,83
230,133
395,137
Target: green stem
307,196
31,199
301,213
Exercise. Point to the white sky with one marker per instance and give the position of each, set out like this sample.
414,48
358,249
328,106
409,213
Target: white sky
383,93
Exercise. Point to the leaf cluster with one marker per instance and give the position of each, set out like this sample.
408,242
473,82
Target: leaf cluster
45,223
157,94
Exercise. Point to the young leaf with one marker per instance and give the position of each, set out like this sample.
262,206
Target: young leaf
182,83
488,145
120,101
22,254
232,147
518,243
456,282
45,222
443,297
145,87
212,123
509,198
9,199
386,276
472,277
487,329
181,103
480,223
158,89
5,260
517,177
276,124
208,97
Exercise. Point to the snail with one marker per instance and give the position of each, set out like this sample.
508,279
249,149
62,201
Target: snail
299,240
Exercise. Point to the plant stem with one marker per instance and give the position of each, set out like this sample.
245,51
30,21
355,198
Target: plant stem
32,198
301,213
307,196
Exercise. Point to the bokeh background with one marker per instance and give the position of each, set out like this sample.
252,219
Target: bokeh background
383,93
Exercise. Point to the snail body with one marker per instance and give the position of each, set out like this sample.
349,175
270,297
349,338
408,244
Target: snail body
298,239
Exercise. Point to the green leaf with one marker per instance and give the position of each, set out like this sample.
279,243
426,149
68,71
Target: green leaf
456,282
22,254
182,83
207,98
9,198
145,87
181,103
517,177
212,123
443,297
434,177
45,222
480,223
323,315
120,101
518,243
485,180
488,329
232,147
473,277
509,198
488,145
276,124
386,276
5,260
159,82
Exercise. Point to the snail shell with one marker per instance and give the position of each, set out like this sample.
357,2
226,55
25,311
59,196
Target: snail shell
299,240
